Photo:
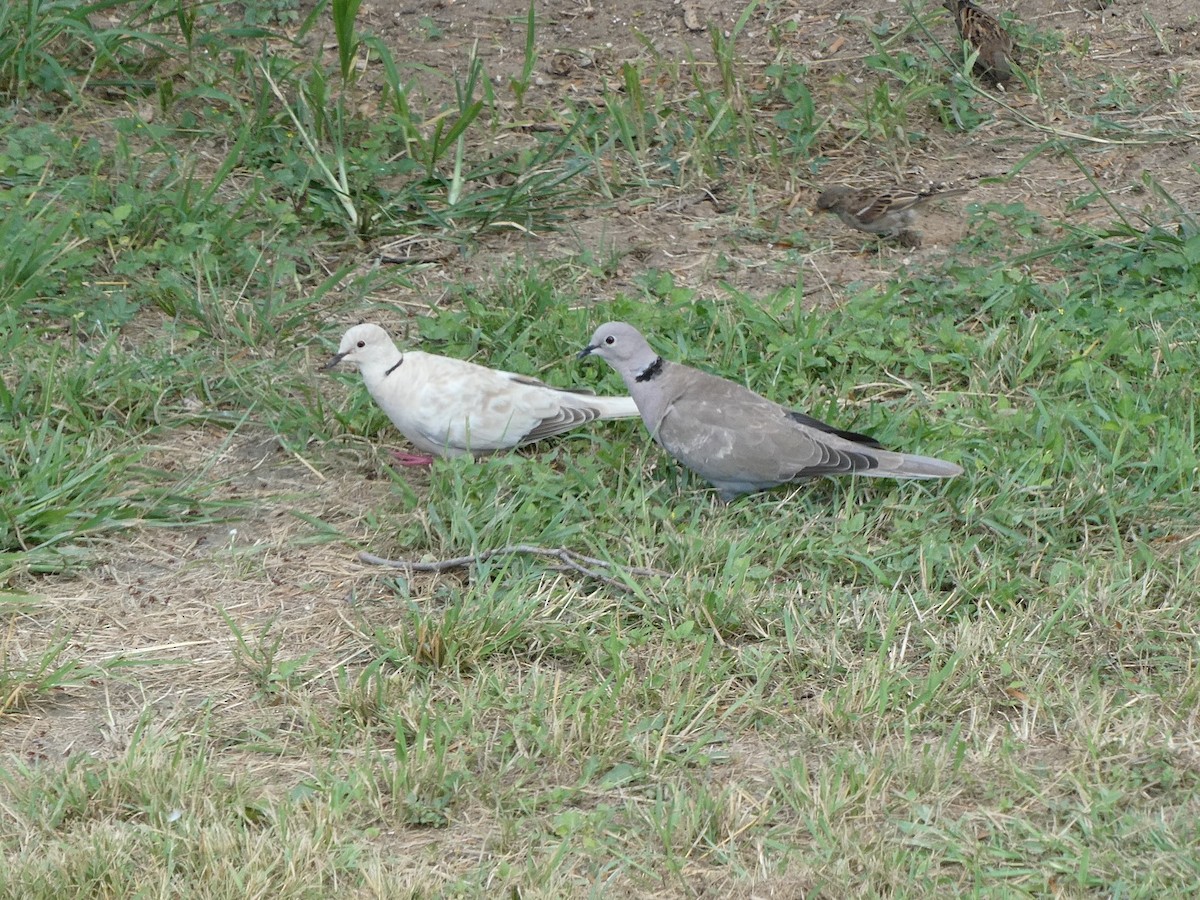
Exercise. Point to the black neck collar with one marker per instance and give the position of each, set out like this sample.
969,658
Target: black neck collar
654,369
399,363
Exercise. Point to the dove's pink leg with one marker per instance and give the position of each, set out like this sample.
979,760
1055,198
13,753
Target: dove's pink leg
411,459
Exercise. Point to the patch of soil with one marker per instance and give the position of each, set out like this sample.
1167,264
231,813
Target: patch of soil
1111,63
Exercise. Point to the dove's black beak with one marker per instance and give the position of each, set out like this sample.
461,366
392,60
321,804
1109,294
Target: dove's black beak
332,363
586,351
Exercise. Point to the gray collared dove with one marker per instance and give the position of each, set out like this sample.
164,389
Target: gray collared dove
734,438
450,407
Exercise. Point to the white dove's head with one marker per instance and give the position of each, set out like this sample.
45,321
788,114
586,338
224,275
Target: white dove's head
363,344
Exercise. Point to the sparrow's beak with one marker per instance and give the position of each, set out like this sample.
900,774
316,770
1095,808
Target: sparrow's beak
586,351
332,362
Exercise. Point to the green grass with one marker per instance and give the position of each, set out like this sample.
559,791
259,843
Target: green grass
847,688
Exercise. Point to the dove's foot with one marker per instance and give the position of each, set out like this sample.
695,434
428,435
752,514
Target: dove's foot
412,460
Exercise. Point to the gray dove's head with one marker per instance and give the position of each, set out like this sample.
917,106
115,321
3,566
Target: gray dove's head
362,344
622,347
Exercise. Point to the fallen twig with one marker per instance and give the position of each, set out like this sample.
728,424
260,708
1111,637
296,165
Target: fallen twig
417,259
587,566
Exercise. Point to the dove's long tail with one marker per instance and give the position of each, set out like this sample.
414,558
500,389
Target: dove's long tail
907,465
612,407
582,402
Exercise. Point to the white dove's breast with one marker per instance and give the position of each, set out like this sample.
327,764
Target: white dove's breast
423,398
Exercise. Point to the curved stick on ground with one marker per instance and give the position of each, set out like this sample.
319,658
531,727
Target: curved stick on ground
588,566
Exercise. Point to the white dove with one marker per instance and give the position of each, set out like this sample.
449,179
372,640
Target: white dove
450,407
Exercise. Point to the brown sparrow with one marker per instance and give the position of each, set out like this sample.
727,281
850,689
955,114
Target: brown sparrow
889,212
981,31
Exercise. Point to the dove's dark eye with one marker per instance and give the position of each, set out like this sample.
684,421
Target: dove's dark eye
361,344
610,340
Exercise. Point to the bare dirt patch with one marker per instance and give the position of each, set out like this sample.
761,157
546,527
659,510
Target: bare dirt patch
1112,61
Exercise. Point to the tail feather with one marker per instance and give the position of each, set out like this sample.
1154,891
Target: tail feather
907,465
614,407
